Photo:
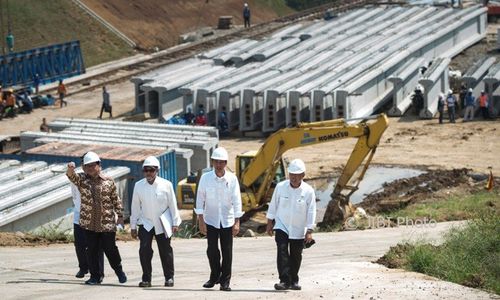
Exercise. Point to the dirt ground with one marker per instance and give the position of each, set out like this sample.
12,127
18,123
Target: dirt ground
158,23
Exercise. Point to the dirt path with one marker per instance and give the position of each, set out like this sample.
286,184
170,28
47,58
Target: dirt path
337,267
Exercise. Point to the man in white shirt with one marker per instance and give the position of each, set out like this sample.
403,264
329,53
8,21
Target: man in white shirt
153,196
293,209
218,206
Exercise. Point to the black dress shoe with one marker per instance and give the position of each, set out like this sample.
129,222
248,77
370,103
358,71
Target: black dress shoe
209,284
81,274
144,284
93,281
295,286
169,282
281,286
122,278
225,287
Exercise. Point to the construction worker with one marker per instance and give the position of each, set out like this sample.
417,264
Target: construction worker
36,83
201,119
99,205
451,102
45,128
291,215
189,116
106,104
153,197
61,90
418,99
10,103
483,105
246,15
469,103
441,105
219,208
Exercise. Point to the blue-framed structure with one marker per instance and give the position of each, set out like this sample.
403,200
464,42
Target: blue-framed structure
51,63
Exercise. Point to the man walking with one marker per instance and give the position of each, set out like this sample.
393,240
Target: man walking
61,90
246,15
218,206
293,210
99,204
153,197
79,239
106,104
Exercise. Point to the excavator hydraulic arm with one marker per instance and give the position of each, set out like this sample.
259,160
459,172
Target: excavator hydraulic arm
369,132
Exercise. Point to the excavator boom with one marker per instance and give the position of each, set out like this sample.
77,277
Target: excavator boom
368,131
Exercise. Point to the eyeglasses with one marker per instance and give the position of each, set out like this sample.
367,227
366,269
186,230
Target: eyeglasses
149,170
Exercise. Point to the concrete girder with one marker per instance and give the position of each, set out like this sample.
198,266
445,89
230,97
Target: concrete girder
404,81
434,82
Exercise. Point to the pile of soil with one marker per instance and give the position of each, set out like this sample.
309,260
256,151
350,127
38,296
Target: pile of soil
20,239
400,193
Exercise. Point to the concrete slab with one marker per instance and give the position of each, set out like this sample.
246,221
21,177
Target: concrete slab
337,267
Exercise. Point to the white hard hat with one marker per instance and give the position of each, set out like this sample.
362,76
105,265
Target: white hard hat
470,90
450,92
297,166
219,154
90,157
151,161
246,4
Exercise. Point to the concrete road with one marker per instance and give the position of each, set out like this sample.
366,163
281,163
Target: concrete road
337,267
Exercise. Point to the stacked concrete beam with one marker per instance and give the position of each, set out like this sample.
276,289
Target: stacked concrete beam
43,197
301,82
434,82
192,144
404,81
476,78
492,79
164,72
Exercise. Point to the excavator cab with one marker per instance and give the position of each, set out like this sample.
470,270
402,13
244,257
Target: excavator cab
248,195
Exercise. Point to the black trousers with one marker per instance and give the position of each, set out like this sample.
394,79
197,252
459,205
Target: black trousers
106,241
220,271
485,113
441,113
103,108
146,253
288,261
247,22
81,250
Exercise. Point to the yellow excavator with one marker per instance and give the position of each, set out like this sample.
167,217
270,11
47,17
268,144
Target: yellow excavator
259,171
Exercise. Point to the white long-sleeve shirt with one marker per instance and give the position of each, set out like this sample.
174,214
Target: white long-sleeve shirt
219,199
150,201
77,200
293,209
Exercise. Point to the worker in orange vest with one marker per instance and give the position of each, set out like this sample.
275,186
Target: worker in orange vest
10,103
61,90
483,105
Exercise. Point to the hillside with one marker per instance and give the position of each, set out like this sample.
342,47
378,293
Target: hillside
38,23
158,23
